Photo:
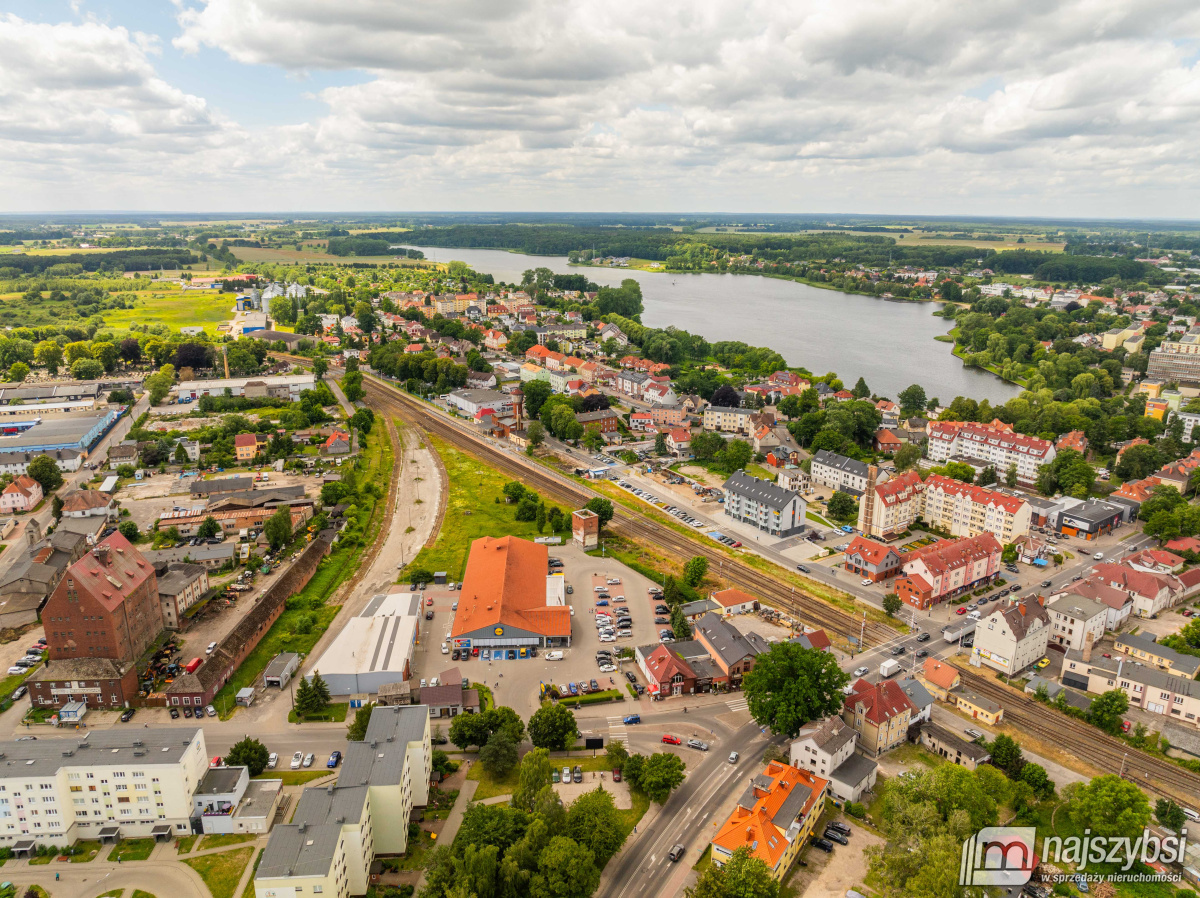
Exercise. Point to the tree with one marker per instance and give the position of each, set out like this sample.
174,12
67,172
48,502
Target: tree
534,774
553,727
791,685
679,624
615,755
603,509
45,471
735,456
912,400
725,396
87,369
49,355
1107,709
1006,754
660,775
18,371
842,507
706,444
304,700
861,390
467,730
694,570
1010,476
536,392
593,822
320,368
357,730
1035,776
498,755
747,876
1112,807
892,604
208,528
56,506
790,406
535,433
248,753
1169,814
565,869
278,528
181,456
159,384
906,457
129,530
660,444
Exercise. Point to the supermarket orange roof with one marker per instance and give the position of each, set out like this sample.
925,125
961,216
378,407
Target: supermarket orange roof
775,799
505,586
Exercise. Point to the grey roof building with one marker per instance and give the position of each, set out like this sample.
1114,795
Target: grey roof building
1144,647
764,505
221,485
839,472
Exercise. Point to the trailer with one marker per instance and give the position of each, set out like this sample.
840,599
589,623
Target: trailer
954,632
889,668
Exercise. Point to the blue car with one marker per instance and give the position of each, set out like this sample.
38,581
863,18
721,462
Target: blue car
573,689
334,760
601,602
633,718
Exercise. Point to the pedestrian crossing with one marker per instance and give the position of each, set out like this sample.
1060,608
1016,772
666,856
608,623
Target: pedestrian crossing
616,728
738,704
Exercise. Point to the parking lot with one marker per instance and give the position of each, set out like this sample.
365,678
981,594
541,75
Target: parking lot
517,683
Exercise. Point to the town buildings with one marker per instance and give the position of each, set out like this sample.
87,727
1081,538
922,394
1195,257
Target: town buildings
872,560
960,509
281,386
1146,687
993,445
1013,637
1144,648
764,505
839,472
880,713
180,586
774,818
827,749
947,568
22,494
1076,622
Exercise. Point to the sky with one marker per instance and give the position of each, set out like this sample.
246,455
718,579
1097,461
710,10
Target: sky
1072,108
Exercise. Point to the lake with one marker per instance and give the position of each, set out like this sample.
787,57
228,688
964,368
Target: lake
890,344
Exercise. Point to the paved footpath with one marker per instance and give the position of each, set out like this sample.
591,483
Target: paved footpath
454,821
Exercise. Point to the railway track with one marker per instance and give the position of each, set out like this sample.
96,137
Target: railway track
1106,753
626,522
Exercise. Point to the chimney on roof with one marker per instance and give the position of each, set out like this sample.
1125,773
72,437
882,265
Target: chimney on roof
102,555
1088,639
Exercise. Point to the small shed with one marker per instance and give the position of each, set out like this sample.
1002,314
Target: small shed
72,712
281,668
439,577
110,484
245,697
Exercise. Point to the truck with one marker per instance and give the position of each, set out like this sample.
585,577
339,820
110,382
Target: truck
889,668
956,631
193,664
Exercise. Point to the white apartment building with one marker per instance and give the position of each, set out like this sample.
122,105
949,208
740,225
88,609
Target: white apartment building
839,472
764,505
826,749
1073,617
966,510
996,446
1153,690
109,784
1012,638
728,420
337,830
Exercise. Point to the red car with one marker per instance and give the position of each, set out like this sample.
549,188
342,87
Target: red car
672,740
429,601
616,774
960,610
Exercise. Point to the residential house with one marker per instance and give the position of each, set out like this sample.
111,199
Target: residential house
964,509
122,454
889,508
245,447
734,601
606,419
496,340
921,698
337,443
641,421
1075,439
1145,649
21,495
890,412
978,707
1146,687
1013,637
665,672
667,417
732,652
839,472
940,678
871,560
992,445
765,505
880,713
1118,601
1152,593
827,749
940,571
773,819
83,503
950,746
679,442
728,420
1076,621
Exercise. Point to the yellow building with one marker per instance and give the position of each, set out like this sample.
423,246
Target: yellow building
980,708
774,818
1157,409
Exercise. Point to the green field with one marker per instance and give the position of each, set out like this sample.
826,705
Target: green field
221,871
471,512
176,310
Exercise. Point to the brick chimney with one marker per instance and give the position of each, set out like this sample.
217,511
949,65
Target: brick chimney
102,554
1088,639
867,509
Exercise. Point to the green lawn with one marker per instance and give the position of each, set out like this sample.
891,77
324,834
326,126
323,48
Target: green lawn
131,850
112,893
41,859
221,871
489,787
248,891
335,713
87,852
184,845
176,310
222,839
417,855
138,893
293,777
471,512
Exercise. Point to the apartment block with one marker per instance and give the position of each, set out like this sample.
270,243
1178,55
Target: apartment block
1014,637
764,505
947,568
1152,690
995,445
963,509
1073,618
839,472
728,420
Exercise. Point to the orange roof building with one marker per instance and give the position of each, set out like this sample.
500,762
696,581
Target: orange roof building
774,818
508,601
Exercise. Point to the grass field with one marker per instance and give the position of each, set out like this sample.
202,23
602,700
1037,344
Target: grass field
87,852
334,713
293,777
471,512
175,310
222,871
131,850
185,844
220,840
138,893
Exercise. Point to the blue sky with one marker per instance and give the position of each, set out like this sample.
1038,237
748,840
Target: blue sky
1016,107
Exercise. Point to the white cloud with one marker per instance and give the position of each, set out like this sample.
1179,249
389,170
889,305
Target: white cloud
1090,106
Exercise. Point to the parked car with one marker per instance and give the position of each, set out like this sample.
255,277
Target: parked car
697,744
632,719
924,637
126,715
839,826
19,692
308,760
554,656
834,836
272,760
733,757
668,739
334,760
577,774
555,777
824,844
211,648
174,713
566,774
862,671
297,760
210,711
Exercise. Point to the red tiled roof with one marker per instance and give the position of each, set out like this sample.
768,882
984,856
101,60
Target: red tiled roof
970,432
664,664
1184,544
949,554
871,552
881,701
940,674
109,582
1144,583
900,488
978,494
732,596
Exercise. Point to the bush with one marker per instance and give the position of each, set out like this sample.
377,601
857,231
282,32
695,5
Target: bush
609,695
856,810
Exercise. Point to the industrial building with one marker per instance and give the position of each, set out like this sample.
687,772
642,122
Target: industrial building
374,648
78,432
280,386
